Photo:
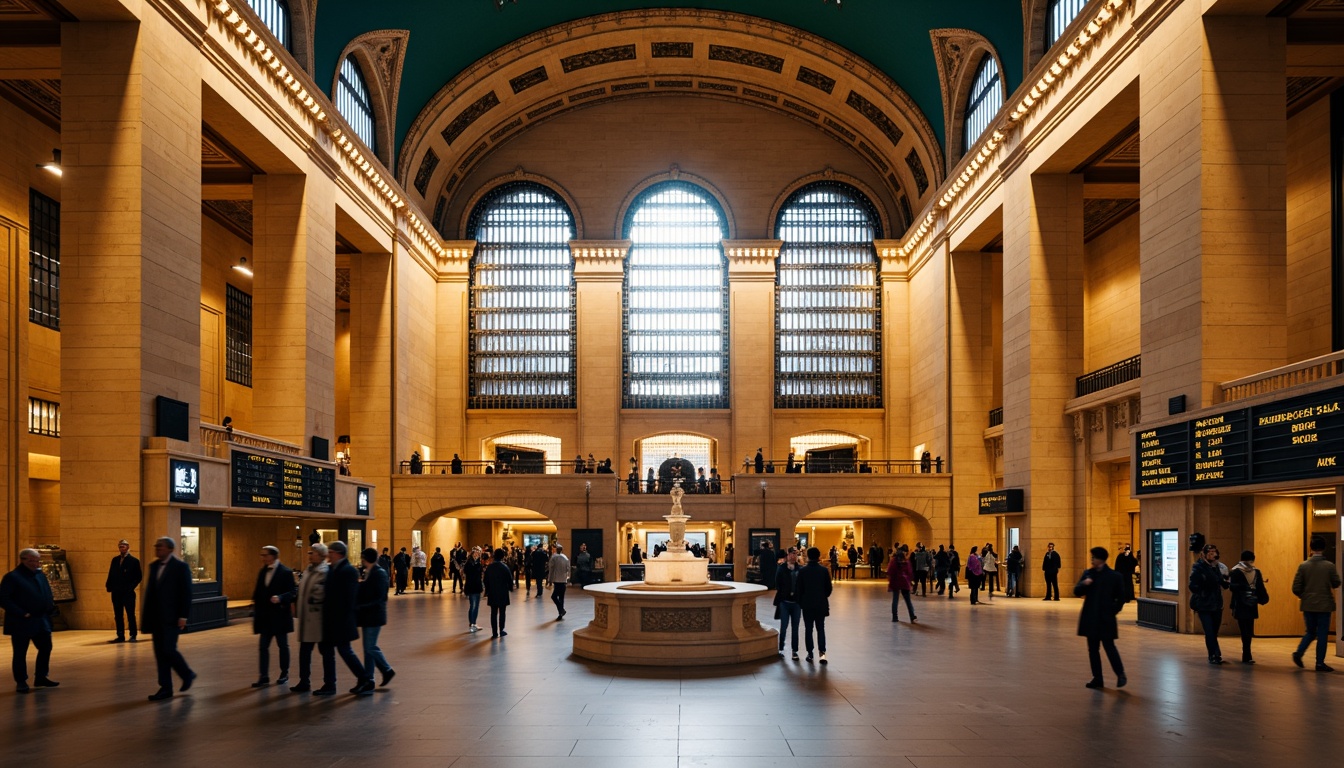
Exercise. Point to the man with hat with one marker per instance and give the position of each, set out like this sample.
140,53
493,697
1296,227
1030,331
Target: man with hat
123,576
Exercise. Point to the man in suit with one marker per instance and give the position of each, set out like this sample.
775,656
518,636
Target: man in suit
167,607
339,625
1104,593
813,590
1050,566
123,576
540,558
26,597
271,615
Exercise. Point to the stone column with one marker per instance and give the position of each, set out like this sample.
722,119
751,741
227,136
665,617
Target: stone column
131,277
599,272
453,346
294,307
970,375
894,275
372,376
1042,352
751,336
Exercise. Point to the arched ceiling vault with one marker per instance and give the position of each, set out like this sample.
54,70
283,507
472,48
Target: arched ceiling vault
674,51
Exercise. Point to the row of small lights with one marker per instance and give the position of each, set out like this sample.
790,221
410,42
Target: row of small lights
239,27
1085,38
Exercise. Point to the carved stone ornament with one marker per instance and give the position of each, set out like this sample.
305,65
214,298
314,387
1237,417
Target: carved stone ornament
1122,414
1078,427
386,48
600,612
1098,420
749,614
674,619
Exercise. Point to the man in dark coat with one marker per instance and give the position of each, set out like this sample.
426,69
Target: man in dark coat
401,565
1207,584
371,615
1104,594
166,609
760,461
457,464
272,616
498,584
339,622
813,590
1126,563
1050,567
875,558
26,597
123,576
540,561
767,562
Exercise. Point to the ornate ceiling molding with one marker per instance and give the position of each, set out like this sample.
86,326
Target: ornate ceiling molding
678,52
958,52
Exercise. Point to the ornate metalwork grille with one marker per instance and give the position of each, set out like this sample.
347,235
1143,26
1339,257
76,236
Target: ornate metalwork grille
44,260
676,300
237,336
1058,16
352,101
984,102
828,315
522,300
275,15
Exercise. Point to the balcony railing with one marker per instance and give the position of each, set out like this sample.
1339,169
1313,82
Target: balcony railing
815,468
1110,376
215,440
1307,371
996,417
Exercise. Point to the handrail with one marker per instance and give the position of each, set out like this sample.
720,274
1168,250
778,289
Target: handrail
1306,371
1112,375
215,438
815,467
996,417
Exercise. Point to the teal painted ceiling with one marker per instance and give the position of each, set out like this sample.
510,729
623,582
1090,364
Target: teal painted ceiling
447,36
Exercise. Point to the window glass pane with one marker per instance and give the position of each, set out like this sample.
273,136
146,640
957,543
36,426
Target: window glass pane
44,260
1058,15
522,300
828,309
275,15
44,417
653,451
237,336
984,102
676,300
547,445
198,552
354,104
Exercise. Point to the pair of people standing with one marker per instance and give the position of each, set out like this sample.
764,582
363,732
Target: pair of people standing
803,591
328,617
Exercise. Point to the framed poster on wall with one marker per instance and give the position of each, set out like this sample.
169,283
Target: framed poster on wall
1164,565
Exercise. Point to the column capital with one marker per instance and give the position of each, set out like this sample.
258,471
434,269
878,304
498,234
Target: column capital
599,260
893,264
455,261
752,258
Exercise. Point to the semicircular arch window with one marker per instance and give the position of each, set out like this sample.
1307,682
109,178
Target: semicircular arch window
355,104
828,310
984,101
676,300
521,310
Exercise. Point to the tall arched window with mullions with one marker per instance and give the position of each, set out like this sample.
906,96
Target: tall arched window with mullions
354,103
275,15
521,300
984,101
828,312
1059,14
676,300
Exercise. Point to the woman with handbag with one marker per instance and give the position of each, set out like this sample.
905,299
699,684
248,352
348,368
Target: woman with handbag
1248,594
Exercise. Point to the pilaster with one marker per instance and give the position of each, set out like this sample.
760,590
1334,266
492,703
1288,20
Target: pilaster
599,274
894,282
751,317
454,278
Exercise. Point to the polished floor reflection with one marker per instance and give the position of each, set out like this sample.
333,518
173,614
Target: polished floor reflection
1000,684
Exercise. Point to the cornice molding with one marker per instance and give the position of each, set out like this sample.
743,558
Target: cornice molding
598,251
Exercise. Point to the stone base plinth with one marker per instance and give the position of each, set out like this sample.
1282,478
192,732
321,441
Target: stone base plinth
676,569
669,629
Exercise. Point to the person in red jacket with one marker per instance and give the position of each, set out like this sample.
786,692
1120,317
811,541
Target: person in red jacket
900,579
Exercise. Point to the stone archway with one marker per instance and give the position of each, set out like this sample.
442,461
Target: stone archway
481,525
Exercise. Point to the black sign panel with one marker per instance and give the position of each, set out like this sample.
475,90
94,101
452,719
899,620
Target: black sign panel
1221,452
184,481
1002,501
1298,438
269,482
1163,458
363,501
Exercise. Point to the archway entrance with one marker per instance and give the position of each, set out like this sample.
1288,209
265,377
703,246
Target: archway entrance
861,527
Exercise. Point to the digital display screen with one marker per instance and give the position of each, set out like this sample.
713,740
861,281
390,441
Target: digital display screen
269,482
1164,565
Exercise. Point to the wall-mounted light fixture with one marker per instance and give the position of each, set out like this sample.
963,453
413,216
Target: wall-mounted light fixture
55,164
242,267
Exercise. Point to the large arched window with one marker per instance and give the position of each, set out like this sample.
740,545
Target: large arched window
828,310
354,103
1058,15
984,101
522,300
676,313
275,15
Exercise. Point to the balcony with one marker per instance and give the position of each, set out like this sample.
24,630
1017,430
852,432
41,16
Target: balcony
1285,377
1110,376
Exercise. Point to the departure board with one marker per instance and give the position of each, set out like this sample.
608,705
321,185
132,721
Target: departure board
270,482
1295,439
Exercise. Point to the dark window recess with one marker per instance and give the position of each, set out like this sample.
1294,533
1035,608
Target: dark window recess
44,260
238,336
996,416
44,417
522,321
676,300
1110,376
828,309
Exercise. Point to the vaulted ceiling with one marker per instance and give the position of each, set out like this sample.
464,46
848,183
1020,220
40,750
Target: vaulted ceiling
446,38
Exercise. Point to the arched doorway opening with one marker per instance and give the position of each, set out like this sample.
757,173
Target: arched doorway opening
663,458
485,525
827,452
861,527
521,453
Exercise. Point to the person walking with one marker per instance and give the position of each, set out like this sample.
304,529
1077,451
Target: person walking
419,565
340,624
900,575
814,593
308,612
272,615
1248,594
1015,562
1104,594
953,570
385,562
1314,582
437,565
1206,585
922,560
989,563
371,616
401,564
834,557
29,604
123,576
854,554
940,564
540,560
975,574
473,585
498,582
558,574
166,610
1050,567
875,558
787,609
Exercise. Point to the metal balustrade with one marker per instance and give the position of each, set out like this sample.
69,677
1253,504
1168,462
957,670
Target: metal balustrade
1110,376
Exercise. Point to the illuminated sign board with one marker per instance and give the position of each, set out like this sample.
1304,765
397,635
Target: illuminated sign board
184,481
270,482
1002,501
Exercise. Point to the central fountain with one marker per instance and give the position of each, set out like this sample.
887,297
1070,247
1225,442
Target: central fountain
676,616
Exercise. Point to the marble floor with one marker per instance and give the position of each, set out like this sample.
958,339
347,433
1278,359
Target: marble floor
997,685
